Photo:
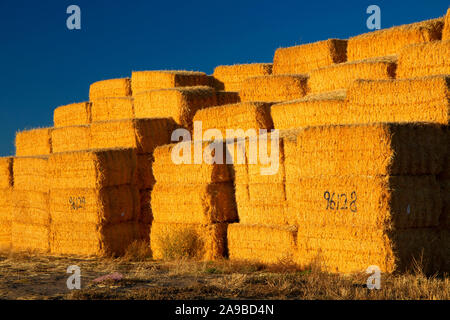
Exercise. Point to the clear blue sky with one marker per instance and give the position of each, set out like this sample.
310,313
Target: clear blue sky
44,65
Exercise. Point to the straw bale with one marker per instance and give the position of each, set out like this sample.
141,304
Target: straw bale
193,203
113,108
227,97
351,249
91,239
306,57
109,205
74,114
30,208
110,88
146,214
5,218
245,116
73,138
384,202
425,59
145,177
390,41
388,149
231,77
26,237
35,142
92,168
406,100
31,174
274,88
166,170
446,30
313,110
143,135
265,244
180,104
6,172
211,238
445,192
153,80
341,76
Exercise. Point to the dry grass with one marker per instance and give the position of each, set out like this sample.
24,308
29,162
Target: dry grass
181,244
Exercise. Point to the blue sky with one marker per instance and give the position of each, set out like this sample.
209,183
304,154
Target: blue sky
44,65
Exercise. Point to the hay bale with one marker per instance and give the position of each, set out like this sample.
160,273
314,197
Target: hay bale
383,202
5,218
114,108
74,114
145,215
445,192
92,168
408,100
179,104
35,142
425,59
166,170
154,80
208,242
194,203
110,88
341,76
6,172
227,97
145,177
313,110
265,244
306,57
245,116
26,237
143,135
230,78
105,206
275,88
388,149
91,239
73,138
31,174
390,41
446,30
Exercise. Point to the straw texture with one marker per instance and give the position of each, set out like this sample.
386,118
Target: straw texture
230,78
34,142
110,88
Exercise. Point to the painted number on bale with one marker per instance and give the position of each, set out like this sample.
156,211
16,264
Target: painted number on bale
77,203
340,201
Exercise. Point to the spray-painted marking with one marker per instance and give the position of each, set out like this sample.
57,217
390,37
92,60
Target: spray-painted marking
77,203
340,201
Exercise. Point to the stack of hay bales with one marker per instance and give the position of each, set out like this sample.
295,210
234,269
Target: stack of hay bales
341,76
180,104
6,184
230,78
266,231
94,201
110,88
194,196
112,108
34,142
143,136
31,216
275,88
304,58
376,203
390,41
446,31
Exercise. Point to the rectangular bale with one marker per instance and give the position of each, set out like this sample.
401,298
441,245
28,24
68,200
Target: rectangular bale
341,76
264,244
425,59
92,168
230,78
31,174
143,135
35,142
202,203
30,207
405,100
175,240
307,57
275,88
113,108
390,41
5,218
154,80
30,238
74,114
145,177
445,192
120,87
179,104
227,97
145,214
6,172
73,138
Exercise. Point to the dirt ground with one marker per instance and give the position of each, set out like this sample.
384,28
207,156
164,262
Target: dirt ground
28,276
